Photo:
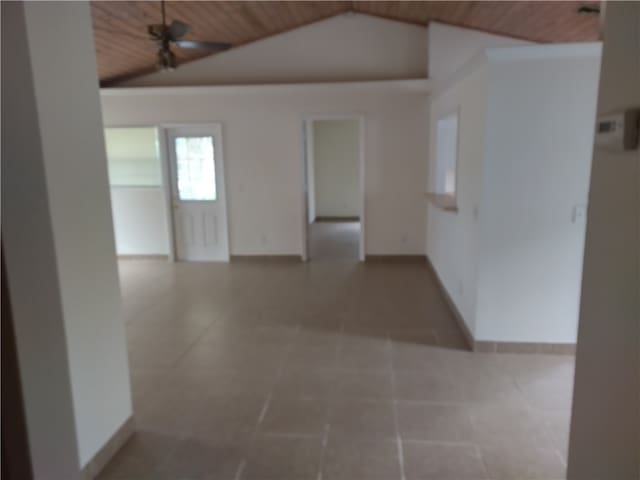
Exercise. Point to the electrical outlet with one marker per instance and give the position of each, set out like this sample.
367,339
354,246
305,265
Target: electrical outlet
404,238
263,239
475,212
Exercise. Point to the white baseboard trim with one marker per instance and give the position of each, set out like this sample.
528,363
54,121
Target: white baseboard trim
100,460
488,346
144,257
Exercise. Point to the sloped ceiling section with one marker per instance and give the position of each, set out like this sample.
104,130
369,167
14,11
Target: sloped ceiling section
124,51
351,47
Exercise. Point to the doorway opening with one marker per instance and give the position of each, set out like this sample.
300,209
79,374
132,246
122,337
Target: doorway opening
334,188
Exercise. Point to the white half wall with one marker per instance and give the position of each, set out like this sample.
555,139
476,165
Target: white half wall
452,47
452,237
140,220
66,90
351,47
539,141
336,162
262,130
511,256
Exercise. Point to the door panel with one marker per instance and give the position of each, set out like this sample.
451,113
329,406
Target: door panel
198,193
210,229
187,228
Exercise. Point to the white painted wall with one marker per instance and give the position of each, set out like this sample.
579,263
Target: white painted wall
351,47
460,81
140,220
452,237
336,161
264,150
539,136
510,258
452,47
31,268
605,428
66,91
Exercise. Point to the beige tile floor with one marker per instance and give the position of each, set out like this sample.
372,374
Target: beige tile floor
326,371
334,241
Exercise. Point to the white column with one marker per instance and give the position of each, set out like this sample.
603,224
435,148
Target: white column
32,271
64,136
605,428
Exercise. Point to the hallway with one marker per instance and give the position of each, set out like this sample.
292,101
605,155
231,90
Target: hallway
334,241
330,371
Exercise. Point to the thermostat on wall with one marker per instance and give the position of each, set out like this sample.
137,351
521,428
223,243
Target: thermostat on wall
618,131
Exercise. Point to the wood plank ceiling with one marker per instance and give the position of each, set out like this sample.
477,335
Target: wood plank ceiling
124,51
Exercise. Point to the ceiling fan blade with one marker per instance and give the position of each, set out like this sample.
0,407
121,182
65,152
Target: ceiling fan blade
178,29
204,45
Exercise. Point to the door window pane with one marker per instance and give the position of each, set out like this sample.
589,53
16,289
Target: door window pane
195,168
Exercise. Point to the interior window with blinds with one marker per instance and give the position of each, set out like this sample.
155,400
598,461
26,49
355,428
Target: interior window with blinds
446,154
133,157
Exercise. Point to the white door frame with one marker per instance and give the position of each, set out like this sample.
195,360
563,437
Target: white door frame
307,163
216,128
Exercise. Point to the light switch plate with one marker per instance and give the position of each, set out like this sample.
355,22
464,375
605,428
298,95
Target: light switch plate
579,214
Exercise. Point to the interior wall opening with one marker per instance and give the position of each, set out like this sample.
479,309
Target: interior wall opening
167,192
137,188
333,167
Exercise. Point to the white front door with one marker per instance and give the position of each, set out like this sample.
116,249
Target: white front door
198,193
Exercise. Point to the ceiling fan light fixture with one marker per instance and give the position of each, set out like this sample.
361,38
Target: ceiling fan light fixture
165,36
166,60
589,9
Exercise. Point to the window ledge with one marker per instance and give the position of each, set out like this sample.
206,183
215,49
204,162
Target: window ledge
444,201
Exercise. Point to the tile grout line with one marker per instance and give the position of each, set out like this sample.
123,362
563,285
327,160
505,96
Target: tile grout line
265,407
474,428
290,435
451,443
191,345
240,470
183,435
547,430
557,451
399,446
278,375
327,427
401,456
263,412
340,344
325,441
481,457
